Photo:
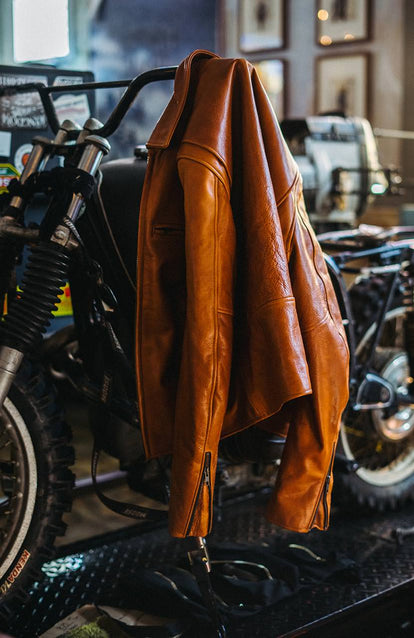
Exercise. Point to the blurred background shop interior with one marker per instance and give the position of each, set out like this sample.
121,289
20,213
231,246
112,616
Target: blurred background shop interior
313,56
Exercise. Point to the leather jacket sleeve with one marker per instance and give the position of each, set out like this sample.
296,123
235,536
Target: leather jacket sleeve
207,342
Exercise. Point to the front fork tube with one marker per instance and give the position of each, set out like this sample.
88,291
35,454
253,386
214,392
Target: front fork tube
11,220
12,232
10,360
45,275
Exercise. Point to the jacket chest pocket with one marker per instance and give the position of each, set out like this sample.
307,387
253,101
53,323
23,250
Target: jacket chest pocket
165,231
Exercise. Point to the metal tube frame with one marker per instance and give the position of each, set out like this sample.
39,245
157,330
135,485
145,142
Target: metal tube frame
133,87
398,252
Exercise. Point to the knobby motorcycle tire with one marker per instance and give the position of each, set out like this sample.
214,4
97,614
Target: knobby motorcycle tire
362,485
33,411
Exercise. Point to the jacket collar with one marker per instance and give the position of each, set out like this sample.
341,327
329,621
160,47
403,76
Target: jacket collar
164,130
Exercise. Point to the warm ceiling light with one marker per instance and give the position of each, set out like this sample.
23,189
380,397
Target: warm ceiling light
349,36
323,14
325,40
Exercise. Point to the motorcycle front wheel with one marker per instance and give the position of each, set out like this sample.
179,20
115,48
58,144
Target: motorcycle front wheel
381,442
35,481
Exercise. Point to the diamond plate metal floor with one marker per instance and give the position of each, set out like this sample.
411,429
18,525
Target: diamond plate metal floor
84,570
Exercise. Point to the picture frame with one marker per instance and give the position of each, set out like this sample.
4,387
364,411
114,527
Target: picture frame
272,74
261,25
342,84
342,21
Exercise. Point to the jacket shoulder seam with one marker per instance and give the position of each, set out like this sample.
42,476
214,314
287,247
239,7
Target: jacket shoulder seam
209,166
211,150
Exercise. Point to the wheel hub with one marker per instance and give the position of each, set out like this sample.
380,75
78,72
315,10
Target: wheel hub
399,425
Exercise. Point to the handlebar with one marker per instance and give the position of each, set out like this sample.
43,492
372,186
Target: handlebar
134,86
366,233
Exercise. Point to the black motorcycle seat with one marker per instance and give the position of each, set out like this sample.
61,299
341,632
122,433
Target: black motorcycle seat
119,199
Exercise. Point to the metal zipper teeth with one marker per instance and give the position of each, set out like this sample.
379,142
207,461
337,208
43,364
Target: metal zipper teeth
205,480
323,497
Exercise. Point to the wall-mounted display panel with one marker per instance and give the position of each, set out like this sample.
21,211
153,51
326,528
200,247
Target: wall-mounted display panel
342,84
261,25
342,21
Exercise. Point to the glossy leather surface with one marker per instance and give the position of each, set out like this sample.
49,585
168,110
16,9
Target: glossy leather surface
237,322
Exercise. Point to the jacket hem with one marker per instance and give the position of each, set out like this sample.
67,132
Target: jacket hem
164,452
293,528
263,417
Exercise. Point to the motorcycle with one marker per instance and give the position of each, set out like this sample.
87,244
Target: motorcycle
339,163
87,236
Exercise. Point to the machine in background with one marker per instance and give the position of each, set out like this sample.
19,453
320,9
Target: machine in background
338,160
372,271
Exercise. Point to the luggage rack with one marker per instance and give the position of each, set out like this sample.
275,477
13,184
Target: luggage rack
323,610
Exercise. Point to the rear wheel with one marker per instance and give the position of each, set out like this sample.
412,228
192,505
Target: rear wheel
381,442
35,482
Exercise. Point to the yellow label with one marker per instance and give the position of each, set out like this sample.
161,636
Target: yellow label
64,308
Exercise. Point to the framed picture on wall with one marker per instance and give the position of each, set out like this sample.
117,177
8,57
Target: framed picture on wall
261,25
342,21
342,84
272,76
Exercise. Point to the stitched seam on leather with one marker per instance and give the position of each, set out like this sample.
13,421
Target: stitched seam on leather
213,152
215,372
319,274
215,354
282,199
291,231
209,167
289,235
319,323
299,215
272,301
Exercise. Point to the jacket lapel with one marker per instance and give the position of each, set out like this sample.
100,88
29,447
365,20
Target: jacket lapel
164,130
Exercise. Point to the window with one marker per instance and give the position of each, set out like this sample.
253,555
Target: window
40,29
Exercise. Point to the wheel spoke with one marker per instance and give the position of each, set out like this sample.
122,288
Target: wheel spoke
382,442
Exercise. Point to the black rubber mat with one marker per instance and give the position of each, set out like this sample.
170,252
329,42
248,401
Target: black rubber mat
82,571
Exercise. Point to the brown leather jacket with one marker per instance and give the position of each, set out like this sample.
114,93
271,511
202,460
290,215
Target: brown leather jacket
237,322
